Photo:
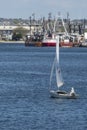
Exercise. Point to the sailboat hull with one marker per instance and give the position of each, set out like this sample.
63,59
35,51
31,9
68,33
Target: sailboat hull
62,94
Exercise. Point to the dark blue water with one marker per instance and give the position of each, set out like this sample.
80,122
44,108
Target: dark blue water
25,103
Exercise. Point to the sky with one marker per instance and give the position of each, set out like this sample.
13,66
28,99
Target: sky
77,9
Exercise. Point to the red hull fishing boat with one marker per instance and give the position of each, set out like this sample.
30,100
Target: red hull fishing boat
49,42
66,42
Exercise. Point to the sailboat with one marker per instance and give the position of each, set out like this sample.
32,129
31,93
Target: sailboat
59,80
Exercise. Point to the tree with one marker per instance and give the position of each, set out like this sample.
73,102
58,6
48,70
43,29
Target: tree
19,33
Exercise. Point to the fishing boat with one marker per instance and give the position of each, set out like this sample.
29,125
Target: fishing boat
59,80
34,40
66,42
49,41
49,36
83,44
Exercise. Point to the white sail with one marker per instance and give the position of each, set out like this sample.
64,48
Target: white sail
59,79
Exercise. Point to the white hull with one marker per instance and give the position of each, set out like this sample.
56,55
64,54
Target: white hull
49,41
84,44
64,95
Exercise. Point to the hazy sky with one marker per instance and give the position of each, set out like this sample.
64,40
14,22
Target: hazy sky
25,8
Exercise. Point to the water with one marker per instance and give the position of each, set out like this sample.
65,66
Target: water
25,103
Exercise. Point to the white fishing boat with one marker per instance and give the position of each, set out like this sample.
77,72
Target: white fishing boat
84,43
59,79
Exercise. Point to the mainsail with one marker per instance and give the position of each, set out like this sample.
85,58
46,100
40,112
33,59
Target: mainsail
59,79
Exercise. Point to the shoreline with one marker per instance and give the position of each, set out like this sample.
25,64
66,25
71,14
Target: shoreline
2,41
